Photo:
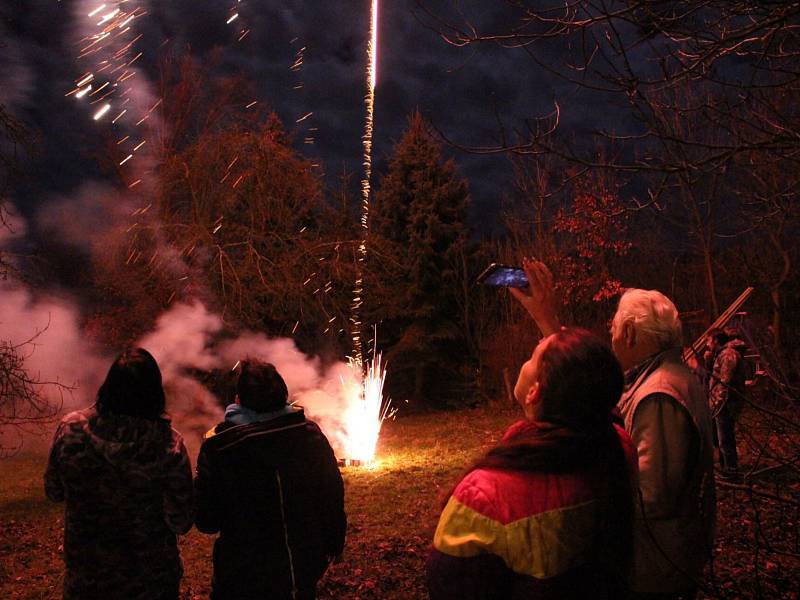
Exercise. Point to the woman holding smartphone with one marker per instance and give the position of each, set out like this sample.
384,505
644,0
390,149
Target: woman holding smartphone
547,513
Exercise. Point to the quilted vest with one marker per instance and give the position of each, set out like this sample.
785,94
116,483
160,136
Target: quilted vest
670,551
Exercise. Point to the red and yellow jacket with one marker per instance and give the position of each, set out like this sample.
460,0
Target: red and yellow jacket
511,534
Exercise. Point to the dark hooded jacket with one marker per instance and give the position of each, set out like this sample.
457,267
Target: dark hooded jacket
127,484
273,491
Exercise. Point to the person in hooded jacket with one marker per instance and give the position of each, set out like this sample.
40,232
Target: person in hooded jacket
125,477
268,482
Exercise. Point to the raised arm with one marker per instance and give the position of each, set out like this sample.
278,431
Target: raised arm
539,297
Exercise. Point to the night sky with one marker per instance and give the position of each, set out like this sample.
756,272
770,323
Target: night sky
457,89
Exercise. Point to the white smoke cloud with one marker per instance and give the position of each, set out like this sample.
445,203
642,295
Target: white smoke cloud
46,331
57,351
185,338
78,219
188,336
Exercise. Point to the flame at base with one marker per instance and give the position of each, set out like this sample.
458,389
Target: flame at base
366,410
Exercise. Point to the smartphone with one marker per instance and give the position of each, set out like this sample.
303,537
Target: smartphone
503,275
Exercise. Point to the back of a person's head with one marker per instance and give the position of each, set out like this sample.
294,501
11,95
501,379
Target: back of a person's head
720,336
132,387
580,380
260,387
653,315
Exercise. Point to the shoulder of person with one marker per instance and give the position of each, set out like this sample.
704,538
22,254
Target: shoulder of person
79,416
313,429
479,489
661,409
76,421
732,351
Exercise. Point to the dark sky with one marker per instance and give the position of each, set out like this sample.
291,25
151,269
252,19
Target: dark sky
457,89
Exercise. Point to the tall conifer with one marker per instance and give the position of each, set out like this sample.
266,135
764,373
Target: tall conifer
419,236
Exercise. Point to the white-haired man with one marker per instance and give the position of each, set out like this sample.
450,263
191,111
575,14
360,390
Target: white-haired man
665,413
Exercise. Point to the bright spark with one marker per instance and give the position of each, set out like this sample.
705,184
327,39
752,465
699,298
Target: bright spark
109,16
99,114
373,68
96,10
232,19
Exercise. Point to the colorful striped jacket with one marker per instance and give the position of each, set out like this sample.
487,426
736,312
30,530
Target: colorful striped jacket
507,534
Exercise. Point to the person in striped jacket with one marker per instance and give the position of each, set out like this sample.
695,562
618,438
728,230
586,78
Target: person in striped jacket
547,513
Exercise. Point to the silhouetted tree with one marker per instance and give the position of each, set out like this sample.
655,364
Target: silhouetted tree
237,218
418,242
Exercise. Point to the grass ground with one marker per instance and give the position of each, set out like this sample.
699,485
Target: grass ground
392,511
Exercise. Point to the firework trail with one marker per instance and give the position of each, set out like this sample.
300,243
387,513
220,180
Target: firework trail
367,413
372,74
112,84
108,50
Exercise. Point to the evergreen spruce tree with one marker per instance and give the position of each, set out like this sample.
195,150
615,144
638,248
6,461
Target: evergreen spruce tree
418,242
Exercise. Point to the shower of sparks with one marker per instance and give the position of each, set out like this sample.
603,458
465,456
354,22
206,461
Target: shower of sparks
369,100
107,85
236,16
366,410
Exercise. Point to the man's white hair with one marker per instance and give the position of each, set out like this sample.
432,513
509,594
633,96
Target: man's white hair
653,315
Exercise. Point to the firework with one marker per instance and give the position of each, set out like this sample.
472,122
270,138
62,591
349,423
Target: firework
366,412
109,50
372,77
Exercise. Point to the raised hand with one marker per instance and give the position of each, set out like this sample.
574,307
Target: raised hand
539,297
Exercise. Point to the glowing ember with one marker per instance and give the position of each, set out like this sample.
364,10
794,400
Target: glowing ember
366,411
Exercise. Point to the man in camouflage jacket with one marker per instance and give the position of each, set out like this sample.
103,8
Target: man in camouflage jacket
726,396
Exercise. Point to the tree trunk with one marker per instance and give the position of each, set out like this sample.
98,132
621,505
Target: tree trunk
777,344
712,288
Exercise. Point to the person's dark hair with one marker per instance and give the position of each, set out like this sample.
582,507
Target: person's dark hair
580,382
132,387
720,336
260,387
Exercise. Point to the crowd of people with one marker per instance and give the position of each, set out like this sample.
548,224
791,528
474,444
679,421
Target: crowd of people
604,488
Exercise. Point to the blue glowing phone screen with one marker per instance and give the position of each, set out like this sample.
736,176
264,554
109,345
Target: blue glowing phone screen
507,276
